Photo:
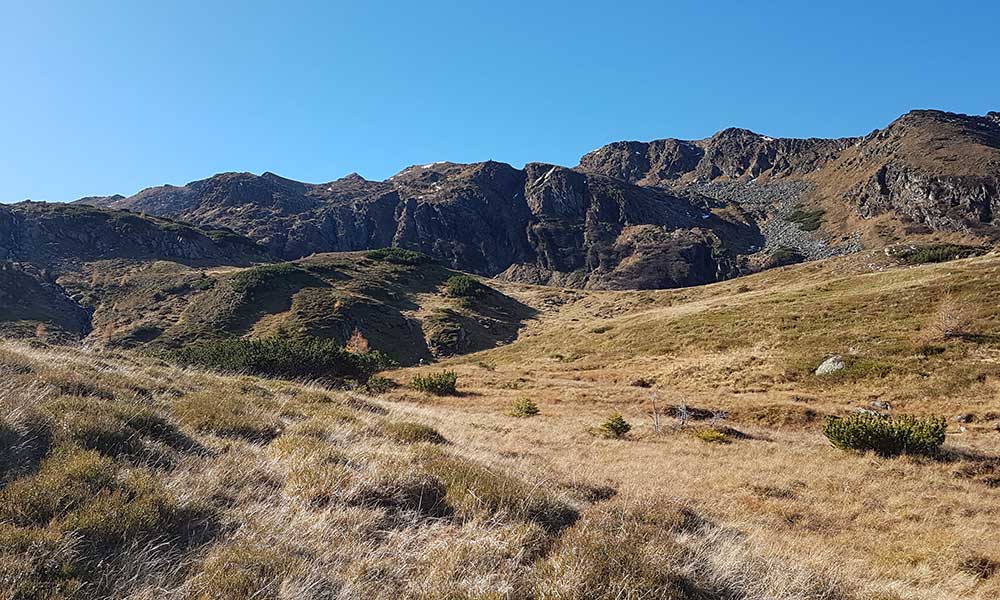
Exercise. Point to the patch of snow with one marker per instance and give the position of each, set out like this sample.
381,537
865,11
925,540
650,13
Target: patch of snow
767,139
429,165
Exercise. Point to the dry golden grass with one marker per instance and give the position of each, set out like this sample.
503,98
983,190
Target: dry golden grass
125,477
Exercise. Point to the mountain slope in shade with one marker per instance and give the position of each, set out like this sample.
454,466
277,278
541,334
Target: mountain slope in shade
49,235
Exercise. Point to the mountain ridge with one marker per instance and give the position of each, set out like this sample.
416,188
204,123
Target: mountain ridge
664,213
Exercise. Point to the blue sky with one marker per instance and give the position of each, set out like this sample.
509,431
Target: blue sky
111,97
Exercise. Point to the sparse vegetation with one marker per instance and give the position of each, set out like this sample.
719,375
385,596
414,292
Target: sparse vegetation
444,383
886,436
615,426
712,436
952,319
256,279
523,408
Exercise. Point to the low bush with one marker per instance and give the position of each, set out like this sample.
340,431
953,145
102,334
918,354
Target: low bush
886,436
283,357
463,286
257,279
936,253
408,432
615,426
377,384
523,408
399,256
807,220
444,383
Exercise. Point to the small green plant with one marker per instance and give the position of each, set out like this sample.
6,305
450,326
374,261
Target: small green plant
439,384
463,286
399,256
523,408
886,436
615,426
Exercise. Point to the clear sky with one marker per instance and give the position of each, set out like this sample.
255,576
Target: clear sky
113,96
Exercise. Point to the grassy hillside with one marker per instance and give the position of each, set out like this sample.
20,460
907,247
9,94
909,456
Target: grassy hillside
723,487
401,307
729,369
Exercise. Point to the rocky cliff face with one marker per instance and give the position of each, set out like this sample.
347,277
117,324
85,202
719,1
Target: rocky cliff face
730,154
53,234
632,215
544,223
938,169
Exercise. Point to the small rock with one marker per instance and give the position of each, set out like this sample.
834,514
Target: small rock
964,418
879,405
831,365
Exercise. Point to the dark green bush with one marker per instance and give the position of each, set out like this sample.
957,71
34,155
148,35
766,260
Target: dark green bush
807,220
886,436
439,384
283,357
936,253
463,286
614,427
377,384
263,277
399,256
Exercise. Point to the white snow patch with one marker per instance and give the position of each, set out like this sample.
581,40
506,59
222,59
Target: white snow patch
767,139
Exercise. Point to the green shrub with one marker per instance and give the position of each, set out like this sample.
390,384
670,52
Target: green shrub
283,357
399,256
408,432
439,384
807,220
377,384
615,426
886,436
936,253
523,408
463,286
262,278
